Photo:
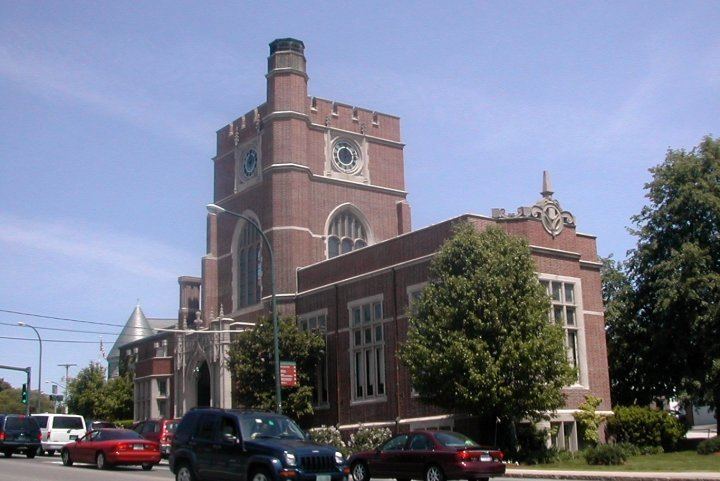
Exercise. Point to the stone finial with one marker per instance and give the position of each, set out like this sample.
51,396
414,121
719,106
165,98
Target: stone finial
547,190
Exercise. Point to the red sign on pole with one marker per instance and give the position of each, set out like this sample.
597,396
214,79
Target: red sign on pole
288,374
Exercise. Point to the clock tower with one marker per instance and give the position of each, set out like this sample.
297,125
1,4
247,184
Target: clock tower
319,177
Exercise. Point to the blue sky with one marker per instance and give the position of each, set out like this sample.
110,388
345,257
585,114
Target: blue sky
108,112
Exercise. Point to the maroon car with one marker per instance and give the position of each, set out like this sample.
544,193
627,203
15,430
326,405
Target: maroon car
158,430
110,447
430,456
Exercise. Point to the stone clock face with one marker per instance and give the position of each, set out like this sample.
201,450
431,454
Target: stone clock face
249,162
345,157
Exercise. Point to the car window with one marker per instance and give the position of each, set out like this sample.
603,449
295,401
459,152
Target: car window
148,427
171,426
455,440
420,442
18,423
41,420
228,427
260,425
396,444
67,422
112,434
92,436
206,427
187,424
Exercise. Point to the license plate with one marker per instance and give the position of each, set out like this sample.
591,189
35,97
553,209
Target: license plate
322,477
485,458
138,447
73,437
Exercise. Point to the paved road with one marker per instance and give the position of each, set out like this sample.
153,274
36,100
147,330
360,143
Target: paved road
44,468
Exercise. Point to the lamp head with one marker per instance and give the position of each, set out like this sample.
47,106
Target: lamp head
214,209
22,324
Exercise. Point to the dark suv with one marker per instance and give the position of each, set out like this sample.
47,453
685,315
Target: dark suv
219,444
19,433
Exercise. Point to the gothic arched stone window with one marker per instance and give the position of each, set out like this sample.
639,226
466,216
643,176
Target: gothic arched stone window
247,266
346,233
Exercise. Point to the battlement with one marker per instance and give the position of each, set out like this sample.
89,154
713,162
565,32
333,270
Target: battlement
354,119
240,130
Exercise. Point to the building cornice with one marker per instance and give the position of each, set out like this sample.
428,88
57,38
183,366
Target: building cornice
555,252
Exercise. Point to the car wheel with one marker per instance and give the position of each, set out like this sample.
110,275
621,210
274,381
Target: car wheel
65,455
360,471
260,475
101,462
184,473
50,452
30,453
147,466
8,453
434,473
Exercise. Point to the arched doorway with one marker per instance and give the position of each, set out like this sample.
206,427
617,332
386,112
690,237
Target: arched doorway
203,385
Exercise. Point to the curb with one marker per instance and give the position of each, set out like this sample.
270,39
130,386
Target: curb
612,476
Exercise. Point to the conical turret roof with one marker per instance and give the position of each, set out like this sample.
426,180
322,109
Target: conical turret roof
136,327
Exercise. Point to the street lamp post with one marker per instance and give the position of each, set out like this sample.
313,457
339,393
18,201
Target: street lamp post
23,324
216,209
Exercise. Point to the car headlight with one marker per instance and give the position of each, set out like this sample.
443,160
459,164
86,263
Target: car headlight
290,459
339,458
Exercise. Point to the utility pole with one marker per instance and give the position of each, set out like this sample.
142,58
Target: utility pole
67,382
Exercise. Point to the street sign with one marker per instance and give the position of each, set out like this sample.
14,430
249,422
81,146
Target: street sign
288,374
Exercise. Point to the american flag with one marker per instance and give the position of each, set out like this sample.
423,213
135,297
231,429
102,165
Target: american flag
102,349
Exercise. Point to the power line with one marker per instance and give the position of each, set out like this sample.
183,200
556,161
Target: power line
48,340
69,319
65,330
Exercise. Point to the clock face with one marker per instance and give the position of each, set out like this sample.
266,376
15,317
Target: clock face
249,162
345,157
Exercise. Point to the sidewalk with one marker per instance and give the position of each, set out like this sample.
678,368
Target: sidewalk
610,475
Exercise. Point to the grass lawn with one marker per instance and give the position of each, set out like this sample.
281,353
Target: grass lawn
676,461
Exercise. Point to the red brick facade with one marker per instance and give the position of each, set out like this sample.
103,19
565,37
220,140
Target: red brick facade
293,194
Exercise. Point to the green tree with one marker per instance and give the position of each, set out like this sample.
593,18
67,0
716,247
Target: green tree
479,340
628,349
117,399
675,270
4,384
10,402
85,391
251,362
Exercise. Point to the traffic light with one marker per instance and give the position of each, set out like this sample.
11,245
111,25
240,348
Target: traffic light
24,397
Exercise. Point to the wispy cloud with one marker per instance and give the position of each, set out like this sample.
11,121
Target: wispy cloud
53,75
84,244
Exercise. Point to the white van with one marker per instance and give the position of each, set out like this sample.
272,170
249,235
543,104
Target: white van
59,429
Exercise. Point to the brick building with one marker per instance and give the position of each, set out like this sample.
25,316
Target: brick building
325,182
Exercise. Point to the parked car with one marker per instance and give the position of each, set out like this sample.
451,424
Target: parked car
111,447
19,433
59,429
95,425
212,444
430,456
158,430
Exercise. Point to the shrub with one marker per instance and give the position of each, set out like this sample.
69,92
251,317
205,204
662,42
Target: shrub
532,443
648,450
329,435
124,423
645,427
606,454
588,420
368,438
629,449
709,446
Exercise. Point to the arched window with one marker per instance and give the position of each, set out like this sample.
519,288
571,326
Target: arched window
248,266
346,233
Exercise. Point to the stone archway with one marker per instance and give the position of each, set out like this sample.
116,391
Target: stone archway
203,385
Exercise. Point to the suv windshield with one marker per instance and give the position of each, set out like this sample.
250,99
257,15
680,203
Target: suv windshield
455,440
259,425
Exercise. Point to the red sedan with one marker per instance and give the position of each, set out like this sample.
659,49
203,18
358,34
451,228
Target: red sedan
430,456
110,447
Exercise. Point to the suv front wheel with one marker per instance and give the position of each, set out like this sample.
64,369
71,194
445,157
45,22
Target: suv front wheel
260,474
184,473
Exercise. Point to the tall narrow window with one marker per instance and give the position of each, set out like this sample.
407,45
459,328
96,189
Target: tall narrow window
564,313
248,267
367,342
346,233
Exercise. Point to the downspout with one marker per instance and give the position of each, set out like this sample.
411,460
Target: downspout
397,342
337,354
